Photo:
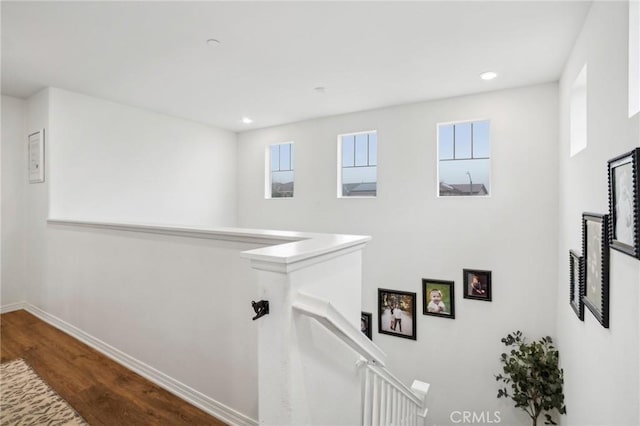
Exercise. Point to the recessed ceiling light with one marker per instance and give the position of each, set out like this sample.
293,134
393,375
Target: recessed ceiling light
489,75
247,120
213,42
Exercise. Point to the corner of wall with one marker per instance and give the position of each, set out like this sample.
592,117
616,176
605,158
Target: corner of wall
13,184
602,372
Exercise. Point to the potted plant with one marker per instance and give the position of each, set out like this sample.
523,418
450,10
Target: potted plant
534,375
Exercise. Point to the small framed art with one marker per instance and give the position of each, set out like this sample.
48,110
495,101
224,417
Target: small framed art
438,298
397,313
576,283
624,203
477,284
365,324
36,157
595,247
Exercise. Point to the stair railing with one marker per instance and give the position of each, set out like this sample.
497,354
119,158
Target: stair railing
385,399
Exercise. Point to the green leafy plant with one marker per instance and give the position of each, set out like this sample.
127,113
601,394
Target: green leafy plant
532,371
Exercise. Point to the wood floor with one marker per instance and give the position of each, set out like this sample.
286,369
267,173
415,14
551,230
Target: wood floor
101,390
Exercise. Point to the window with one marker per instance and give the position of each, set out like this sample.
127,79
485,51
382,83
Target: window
578,113
357,164
634,58
463,159
280,171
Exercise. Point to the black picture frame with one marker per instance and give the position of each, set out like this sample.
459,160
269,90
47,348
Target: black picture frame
595,248
387,322
624,203
478,289
365,324
576,283
438,298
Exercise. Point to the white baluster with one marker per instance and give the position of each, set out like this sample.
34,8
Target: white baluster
414,415
383,402
392,421
396,414
400,401
366,411
375,406
388,418
405,411
400,405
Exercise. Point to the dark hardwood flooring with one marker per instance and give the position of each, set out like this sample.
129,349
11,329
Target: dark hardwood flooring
101,390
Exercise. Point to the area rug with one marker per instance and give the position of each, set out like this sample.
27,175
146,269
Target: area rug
25,399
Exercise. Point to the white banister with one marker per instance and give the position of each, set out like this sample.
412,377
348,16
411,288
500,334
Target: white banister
393,402
294,349
319,277
386,400
308,279
325,313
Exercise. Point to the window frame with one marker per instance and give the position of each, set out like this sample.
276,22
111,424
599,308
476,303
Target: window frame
340,166
634,58
579,112
268,193
454,123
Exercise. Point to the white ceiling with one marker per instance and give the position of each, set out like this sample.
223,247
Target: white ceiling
272,55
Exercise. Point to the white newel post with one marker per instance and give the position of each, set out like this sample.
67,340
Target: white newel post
305,375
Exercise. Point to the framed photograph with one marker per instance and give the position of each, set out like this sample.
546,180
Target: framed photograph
624,203
576,283
397,313
477,284
365,324
438,298
595,247
36,157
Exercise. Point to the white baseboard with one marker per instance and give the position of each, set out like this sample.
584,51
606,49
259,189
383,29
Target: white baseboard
10,307
166,382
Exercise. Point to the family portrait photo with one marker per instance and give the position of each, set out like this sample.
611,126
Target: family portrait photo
595,234
477,284
624,187
576,279
365,324
438,298
397,313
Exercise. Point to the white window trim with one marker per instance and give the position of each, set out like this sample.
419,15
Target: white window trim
339,181
448,123
578,112
634,58
267,174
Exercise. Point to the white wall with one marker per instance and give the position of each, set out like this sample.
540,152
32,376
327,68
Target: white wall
37,199
416,235
14,182
601,365
179,305
307,376
118,163
109,160
171,303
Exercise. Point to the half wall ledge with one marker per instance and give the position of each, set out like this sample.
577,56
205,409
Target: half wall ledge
283,251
